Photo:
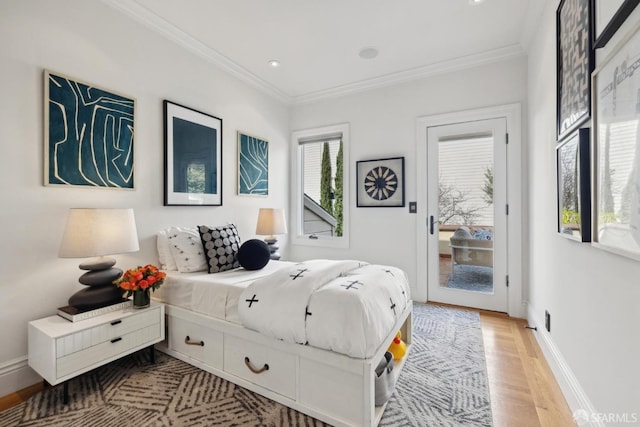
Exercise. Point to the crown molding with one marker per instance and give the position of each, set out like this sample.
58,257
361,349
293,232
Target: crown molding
149,19
154,22
456,64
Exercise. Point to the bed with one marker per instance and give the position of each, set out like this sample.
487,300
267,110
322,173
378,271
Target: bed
220,323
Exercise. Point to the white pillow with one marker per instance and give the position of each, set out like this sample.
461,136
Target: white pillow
187,250
164,252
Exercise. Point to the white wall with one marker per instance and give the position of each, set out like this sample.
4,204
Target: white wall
593,296
95,43
383,124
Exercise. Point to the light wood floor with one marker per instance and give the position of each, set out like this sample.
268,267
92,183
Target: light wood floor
523,391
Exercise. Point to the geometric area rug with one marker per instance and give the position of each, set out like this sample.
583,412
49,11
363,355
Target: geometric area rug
444,383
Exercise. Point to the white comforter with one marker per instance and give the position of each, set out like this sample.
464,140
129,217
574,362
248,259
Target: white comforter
345,306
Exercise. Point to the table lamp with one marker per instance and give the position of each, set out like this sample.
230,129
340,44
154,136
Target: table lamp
270,223
97,233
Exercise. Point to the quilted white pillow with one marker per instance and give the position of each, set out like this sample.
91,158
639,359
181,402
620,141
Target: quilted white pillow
186,248
164,251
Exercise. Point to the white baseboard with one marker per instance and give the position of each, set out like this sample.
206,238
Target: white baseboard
15,375
573,392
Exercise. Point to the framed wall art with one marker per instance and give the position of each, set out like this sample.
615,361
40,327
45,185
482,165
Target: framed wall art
574,187
608,16
616,85
193,157
88,134
575,62
253,165
380,183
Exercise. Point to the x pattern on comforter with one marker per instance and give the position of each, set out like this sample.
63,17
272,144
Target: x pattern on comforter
345,306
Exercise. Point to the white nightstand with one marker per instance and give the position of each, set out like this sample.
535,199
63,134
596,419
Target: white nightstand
60,350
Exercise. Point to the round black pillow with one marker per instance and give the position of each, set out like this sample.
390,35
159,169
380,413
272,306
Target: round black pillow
253,254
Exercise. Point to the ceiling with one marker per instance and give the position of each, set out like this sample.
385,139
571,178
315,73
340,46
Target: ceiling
318,41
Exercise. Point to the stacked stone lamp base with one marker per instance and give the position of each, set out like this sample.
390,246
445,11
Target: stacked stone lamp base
100,290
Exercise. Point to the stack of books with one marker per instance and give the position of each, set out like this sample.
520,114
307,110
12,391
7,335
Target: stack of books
75,314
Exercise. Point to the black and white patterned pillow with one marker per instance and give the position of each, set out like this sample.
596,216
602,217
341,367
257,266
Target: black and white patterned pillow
221,246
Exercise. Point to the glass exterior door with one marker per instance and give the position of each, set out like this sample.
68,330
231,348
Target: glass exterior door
467,214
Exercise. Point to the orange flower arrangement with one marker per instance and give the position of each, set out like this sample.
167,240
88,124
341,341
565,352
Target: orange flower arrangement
141,278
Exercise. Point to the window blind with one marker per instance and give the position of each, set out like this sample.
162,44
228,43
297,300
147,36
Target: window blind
336,136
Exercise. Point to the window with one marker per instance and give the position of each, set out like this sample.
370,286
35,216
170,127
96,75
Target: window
320,192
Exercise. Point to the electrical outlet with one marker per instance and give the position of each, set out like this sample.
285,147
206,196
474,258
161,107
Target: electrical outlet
547,321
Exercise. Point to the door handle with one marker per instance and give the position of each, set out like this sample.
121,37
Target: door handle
247,362
431,224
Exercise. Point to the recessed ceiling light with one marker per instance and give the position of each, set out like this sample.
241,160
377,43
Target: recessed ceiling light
368,52
274,63
475,1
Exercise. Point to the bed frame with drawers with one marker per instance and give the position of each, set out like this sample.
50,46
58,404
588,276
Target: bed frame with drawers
328,386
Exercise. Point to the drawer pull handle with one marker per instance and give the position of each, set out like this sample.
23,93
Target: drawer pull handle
188,341
116,322
116,339
254,370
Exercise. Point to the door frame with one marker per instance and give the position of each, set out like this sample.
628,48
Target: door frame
515,178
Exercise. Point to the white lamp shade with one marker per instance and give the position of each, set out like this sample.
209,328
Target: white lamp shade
99,232
271,222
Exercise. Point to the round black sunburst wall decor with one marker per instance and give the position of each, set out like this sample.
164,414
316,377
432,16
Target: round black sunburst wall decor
380,182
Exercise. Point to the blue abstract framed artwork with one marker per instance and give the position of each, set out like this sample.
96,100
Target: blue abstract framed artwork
88,133
253,165
193,157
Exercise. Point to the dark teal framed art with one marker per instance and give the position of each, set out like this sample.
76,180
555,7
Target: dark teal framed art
89,134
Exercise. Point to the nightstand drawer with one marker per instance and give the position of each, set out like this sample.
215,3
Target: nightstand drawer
107,349
261,365
104,333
